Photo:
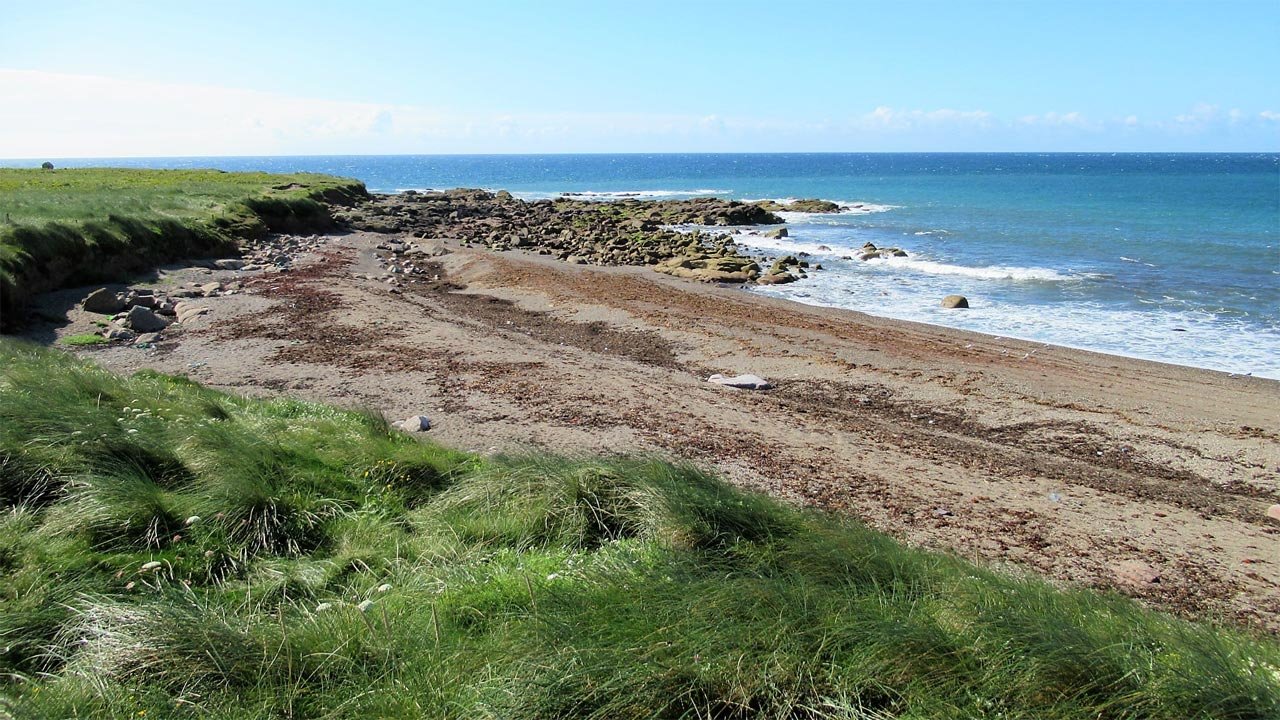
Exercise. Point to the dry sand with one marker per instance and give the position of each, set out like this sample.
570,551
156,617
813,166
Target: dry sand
1095,470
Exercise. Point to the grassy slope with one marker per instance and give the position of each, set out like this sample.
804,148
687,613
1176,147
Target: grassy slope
77,226
170,551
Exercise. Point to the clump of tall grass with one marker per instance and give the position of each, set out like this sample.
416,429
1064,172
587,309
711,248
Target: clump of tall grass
170,551
545,501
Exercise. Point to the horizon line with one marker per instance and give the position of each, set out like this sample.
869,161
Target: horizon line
33,158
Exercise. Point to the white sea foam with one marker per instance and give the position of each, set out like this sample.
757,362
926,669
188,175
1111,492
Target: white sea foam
1138,262
991,272
911,263
1194,338
862,208
758,241
847,207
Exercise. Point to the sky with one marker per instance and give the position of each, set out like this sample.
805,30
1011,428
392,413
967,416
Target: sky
176,78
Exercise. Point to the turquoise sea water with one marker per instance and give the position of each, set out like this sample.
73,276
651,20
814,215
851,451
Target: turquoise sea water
1171,257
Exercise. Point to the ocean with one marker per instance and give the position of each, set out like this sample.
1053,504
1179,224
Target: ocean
1168,257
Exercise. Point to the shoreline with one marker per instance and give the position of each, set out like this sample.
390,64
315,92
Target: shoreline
715,240
1093,469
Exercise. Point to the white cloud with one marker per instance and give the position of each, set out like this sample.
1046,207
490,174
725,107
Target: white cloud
56,115
893,119
1202,114
49,115
1055,119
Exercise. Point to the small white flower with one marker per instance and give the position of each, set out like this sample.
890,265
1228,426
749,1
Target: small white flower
323,606
192,520
365,605
553,576
384,587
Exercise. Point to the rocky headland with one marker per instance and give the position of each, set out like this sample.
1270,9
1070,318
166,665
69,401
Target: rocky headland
667,235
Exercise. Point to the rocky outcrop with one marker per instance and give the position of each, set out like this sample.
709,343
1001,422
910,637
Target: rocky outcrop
627,232
812,205
786,269
870,252
952,302
711,268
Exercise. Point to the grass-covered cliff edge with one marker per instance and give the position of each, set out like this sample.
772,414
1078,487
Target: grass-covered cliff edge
171,551
72,227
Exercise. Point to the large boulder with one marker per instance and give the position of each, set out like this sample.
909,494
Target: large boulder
143,320
781,278
103,301
952,302
711,268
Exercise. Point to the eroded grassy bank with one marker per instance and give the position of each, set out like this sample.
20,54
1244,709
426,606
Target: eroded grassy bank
68,227
171,551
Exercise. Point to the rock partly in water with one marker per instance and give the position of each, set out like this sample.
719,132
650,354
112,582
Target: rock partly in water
952,302
781,278
745,382
810,205
777,234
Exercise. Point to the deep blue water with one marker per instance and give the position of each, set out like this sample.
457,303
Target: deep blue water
1172,257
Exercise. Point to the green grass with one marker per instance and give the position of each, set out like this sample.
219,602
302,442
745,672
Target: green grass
69,227
171,551
82,339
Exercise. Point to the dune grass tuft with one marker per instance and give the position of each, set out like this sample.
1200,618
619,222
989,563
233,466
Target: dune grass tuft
171,551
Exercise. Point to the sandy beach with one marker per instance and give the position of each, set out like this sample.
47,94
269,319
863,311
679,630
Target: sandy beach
1095,470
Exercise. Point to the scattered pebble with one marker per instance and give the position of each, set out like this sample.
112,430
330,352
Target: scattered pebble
745,382
416,423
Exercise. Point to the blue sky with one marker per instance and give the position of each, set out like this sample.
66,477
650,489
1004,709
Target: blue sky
177,78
